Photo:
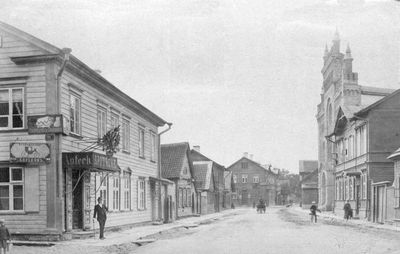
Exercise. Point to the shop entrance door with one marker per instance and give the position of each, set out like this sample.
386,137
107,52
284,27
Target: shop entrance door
77,200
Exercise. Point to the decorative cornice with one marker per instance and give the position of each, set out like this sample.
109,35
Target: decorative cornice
18,60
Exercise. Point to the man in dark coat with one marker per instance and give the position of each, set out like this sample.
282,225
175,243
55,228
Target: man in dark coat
4,236
348,212
101,211
313,211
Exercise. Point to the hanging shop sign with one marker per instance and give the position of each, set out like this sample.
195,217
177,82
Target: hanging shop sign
43,124
90,160
29,152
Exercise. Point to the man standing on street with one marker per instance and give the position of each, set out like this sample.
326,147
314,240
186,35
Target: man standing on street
101,211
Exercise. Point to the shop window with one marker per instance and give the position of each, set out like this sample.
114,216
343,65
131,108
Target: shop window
115,191
126,135
102,188
141,142
11,189
75,113
12,108
141,194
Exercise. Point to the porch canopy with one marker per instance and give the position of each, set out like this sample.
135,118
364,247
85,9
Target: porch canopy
90,161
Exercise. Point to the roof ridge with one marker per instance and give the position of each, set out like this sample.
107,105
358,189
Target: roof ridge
176,144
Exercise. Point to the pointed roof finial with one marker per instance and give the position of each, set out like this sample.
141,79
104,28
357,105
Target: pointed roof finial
348,52
336,37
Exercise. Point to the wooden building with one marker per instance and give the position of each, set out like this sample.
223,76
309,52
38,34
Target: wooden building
253,182
364,138
177,167
55,112
209,182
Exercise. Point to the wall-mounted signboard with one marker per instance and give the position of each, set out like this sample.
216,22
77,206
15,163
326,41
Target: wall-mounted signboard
44,124
90,160
29,152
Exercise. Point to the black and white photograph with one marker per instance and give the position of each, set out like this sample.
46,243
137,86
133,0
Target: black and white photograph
199,126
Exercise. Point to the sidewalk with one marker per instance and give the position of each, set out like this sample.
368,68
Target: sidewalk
333,218
137,233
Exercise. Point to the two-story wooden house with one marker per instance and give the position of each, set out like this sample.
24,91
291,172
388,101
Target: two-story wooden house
177,167
56,114
364,137
253,182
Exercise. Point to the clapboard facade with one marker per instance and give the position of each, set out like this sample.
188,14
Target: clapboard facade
53,111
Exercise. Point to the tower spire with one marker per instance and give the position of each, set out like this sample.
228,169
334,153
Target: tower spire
348,52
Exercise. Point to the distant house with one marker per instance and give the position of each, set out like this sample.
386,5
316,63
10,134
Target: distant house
209,178
252,182
308,171
176,166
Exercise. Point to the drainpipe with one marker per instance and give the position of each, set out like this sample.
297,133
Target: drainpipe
159,168
57,143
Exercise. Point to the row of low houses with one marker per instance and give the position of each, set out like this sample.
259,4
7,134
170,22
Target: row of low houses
68,136
358,140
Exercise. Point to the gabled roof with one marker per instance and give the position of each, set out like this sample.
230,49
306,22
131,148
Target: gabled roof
195,154
52,52
258,165
202,173
172,158
394,155
344,115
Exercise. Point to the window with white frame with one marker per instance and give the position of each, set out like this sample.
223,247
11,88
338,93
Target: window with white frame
12,108
141,194
126,135
234,178
101,121
153,144
126,190
115,192
351,188
256,179
75,113
244,178
11,189
351,147
364,186
184,197
141,141
189,197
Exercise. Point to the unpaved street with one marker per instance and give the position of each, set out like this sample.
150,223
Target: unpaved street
279,230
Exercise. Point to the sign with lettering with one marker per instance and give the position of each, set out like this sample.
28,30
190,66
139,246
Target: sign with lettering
29,152
43,124
91,160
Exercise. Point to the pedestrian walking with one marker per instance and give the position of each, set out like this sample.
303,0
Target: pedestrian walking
4,237
100,210
313,212
348,212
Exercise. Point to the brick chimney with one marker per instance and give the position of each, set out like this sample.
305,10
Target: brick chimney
251,156
196,148
246,154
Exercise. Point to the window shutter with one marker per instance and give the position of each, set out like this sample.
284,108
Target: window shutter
144,194
31,198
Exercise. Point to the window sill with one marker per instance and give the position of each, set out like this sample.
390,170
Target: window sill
126,152
12,212
74,135
142,157
13,130
141,210
153,161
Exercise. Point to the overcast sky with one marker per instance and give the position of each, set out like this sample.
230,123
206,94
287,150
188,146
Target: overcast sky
232,76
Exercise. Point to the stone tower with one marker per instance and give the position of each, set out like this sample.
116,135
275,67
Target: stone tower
340,87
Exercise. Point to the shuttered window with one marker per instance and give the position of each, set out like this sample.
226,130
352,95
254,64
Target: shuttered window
141,185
